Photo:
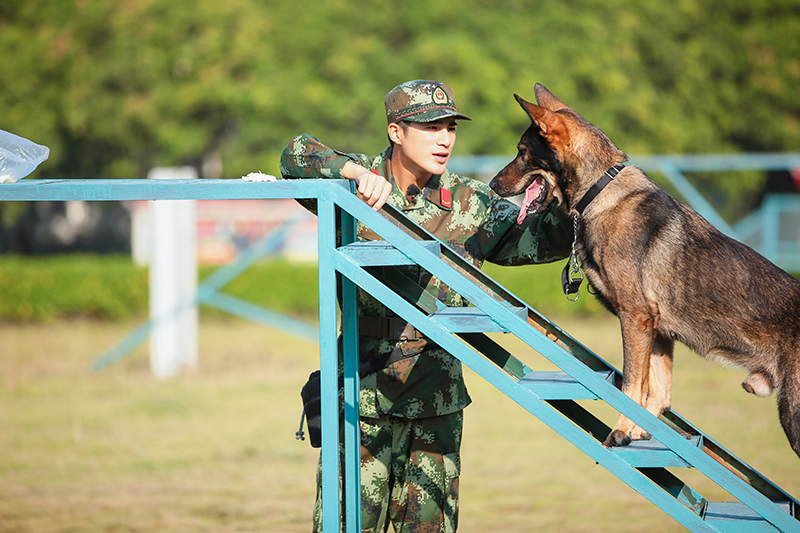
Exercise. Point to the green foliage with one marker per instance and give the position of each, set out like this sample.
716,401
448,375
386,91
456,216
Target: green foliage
38,289
41,289
539,286
276,284
115,88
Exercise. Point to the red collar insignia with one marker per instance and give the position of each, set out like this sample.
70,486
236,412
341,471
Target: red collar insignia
446,198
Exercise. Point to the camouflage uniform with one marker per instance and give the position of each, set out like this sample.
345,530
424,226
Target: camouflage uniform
411,410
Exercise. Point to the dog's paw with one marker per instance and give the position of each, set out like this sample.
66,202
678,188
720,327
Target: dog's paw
640,434
617,438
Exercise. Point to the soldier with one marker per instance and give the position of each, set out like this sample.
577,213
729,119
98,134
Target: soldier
411,405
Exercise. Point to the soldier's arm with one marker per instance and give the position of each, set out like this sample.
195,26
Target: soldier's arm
306,157
541,238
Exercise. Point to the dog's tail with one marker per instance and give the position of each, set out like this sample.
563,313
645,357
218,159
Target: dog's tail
789,401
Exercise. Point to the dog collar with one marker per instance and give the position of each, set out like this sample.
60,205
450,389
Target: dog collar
595,189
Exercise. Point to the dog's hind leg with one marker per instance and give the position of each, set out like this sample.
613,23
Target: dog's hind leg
789,401
758,383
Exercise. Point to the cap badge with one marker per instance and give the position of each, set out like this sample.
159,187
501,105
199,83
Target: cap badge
439,96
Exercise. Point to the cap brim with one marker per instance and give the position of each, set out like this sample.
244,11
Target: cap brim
430,115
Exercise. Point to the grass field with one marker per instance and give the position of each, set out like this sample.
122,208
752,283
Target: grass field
214,449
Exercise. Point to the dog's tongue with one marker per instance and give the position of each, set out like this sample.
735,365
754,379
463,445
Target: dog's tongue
531,195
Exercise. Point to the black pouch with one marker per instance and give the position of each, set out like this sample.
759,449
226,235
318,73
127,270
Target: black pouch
312,391
312,410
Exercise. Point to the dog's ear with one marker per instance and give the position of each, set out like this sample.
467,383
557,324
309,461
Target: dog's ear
551,125
546,99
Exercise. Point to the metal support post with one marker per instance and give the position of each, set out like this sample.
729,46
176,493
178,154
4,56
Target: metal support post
326,222
352,440
173,279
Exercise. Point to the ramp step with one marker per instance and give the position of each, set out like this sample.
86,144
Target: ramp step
382,253
652,454
472,319
560,385
735,516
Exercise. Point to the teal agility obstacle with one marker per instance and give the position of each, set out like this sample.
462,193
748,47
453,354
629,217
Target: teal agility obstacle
649,467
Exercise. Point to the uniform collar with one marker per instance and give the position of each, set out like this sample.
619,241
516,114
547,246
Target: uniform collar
434,191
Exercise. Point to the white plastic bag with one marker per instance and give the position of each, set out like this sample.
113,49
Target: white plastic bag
19,157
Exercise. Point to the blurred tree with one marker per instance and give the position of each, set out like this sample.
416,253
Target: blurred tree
115,88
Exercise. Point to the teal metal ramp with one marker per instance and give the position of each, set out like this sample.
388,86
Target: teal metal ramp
553,396
653,468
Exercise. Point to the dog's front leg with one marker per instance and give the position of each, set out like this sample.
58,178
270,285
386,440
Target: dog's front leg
638,335
659,395
659,382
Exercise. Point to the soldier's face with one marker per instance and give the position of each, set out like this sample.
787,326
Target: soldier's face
427,145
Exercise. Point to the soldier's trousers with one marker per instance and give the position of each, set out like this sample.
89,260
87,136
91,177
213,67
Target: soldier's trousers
409,474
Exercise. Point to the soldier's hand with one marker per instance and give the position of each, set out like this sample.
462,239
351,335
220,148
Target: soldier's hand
373,188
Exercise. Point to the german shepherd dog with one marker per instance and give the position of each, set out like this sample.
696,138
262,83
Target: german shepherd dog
660,267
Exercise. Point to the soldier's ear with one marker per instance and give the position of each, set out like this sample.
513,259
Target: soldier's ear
395,130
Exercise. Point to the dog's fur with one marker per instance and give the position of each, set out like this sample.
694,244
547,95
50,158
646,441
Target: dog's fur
661,268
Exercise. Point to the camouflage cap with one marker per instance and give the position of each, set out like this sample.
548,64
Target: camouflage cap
421,101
